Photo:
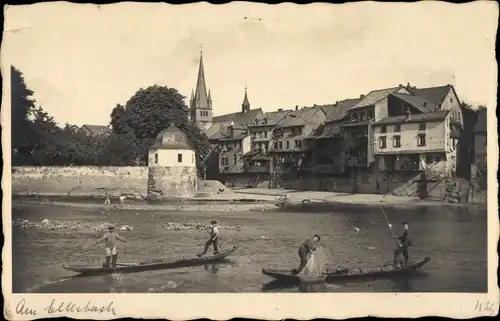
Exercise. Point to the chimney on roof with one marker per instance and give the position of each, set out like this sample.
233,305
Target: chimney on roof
361,96
296,107
280,109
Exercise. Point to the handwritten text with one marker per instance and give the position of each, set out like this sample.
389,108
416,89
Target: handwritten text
71,307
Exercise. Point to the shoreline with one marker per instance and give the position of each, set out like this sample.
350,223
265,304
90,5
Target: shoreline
243,204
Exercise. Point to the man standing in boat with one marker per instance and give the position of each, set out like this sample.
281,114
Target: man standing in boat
404,243
214,239
305,251
109,238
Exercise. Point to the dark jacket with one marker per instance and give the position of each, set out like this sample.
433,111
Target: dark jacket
308,246
405,239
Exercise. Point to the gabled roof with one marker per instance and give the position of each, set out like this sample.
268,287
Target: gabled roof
96,129
416,118
420,103
481,122
375,96
339,110
239,118
301,117
271,118
237,137
435,95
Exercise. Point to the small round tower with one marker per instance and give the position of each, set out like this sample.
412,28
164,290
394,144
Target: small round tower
172,166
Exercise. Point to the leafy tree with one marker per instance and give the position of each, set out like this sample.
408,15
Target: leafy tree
119,150
150,111
22,108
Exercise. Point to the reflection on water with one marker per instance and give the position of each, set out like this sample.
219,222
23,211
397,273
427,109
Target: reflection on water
454,238
213,268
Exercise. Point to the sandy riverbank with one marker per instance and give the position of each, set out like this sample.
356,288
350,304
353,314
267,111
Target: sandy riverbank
309,199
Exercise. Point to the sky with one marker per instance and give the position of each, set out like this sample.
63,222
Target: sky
83,60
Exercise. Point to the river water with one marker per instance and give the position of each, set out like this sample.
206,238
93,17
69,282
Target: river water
454,238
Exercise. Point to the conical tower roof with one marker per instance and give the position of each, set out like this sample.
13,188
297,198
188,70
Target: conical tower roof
200,95
172,138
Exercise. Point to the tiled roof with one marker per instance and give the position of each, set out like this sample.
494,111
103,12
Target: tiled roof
375,96
331,130
239,118
96,129
339,110
301,117
316,132
435,95
418,102
435,116
215,131
237,137
271,118
481,122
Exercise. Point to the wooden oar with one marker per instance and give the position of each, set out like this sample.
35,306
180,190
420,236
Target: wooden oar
390,227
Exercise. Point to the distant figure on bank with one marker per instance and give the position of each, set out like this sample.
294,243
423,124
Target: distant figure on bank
107,200
109,238
305,251
404,243
213,240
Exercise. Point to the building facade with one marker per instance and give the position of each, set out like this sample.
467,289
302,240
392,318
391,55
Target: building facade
416,143
327,145
288,144
233,145
261,134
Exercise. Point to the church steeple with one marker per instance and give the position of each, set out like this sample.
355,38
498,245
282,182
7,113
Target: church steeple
201,102
200,95
245,107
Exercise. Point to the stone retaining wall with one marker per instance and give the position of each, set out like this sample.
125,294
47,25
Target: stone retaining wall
79,180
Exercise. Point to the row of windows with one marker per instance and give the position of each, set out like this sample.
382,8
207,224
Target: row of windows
397,128
456,115
279,145
225,160
179,158
361,115
204,113
259,135
396,141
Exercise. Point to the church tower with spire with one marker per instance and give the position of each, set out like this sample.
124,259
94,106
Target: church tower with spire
245,106
201,101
